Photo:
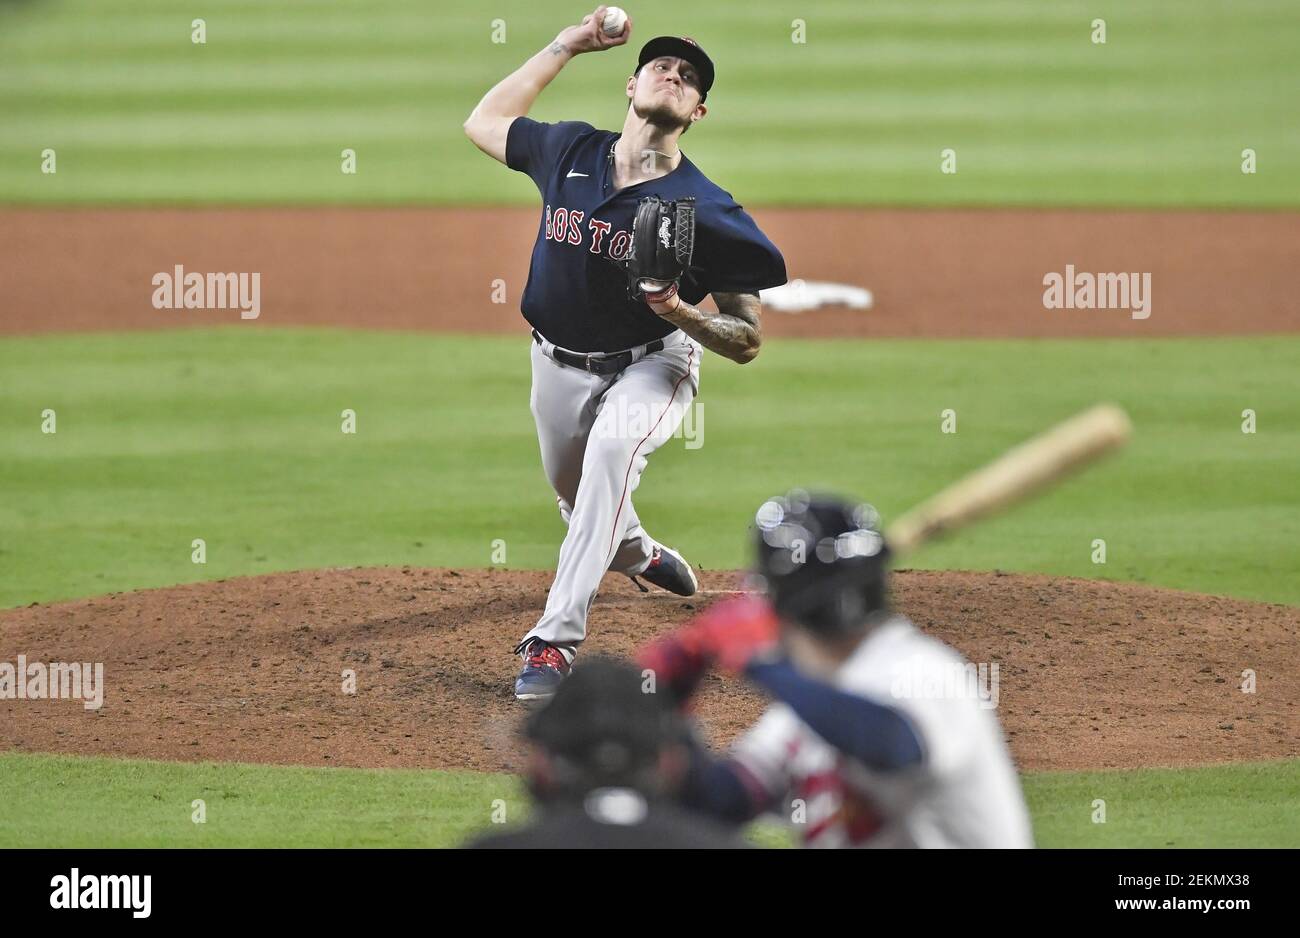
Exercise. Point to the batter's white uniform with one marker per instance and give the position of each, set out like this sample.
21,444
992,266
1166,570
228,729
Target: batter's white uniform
965,792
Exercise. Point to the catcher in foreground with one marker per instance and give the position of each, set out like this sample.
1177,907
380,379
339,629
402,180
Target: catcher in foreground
632,236
879,735
605,762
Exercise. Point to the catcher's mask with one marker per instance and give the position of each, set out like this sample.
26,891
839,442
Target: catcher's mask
823,561
602,730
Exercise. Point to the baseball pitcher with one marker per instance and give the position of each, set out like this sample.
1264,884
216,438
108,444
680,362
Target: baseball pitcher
878,735
632,237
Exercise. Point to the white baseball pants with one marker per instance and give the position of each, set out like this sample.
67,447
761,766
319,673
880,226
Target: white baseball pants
596,433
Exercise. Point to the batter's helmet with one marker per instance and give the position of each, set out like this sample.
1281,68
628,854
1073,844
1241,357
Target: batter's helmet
823,560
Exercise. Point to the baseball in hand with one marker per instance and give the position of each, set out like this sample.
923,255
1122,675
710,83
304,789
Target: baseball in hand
615,20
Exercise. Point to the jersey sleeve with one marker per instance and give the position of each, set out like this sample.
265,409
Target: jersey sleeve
943,713
533,147
859,727
948,730
764,752
733,254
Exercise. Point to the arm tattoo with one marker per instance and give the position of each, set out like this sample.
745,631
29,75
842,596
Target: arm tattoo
733,332
558,48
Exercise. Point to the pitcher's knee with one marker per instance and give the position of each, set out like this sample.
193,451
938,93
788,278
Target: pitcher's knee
608,452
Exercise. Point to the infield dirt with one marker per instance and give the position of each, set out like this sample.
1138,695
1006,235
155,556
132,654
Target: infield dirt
935,274
1091,674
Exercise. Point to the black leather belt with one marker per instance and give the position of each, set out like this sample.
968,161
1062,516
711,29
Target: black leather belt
598,363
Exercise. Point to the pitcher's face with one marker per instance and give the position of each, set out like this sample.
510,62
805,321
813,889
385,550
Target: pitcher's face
666,92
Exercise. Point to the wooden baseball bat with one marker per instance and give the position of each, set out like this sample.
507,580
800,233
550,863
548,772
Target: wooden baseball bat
1013,476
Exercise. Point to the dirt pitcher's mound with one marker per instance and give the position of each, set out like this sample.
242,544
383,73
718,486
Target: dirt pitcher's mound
1092,674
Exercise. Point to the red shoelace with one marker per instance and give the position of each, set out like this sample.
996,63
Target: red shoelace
542,655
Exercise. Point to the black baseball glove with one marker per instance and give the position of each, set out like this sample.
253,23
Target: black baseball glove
663,239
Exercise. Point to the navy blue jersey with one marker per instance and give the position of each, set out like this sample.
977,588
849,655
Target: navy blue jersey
576,295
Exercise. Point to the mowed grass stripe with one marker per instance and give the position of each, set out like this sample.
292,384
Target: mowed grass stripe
75,801
210,116
256,129
238,185
821,91
858,55
223,176
246,415
266,130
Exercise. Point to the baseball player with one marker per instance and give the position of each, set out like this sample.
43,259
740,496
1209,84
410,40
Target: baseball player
875,737
605,763
632,236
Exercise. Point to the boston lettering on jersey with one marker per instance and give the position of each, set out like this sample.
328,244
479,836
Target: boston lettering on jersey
576,294
564,226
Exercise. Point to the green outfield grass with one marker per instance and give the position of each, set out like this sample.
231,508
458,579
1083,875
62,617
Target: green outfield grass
234,436
1247,805
858,113
74,801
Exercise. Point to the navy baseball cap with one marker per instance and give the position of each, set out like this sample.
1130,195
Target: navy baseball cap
680,48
